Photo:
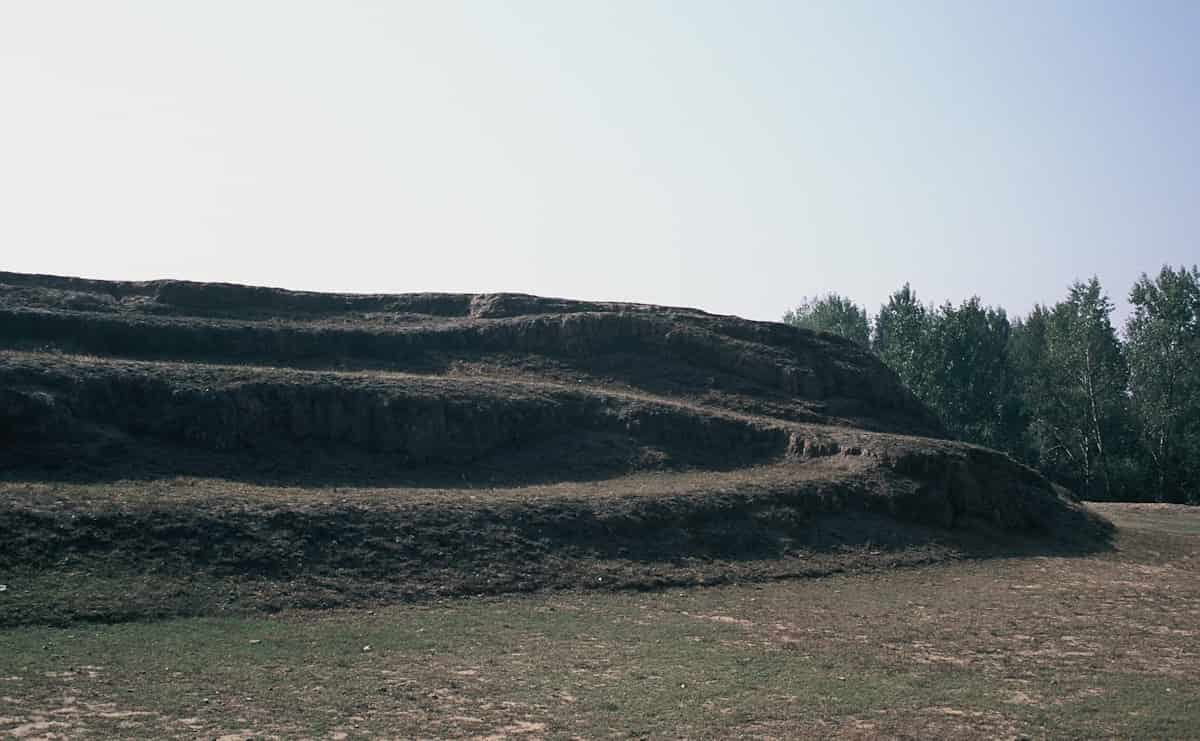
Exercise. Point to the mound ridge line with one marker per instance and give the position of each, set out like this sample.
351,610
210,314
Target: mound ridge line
235,432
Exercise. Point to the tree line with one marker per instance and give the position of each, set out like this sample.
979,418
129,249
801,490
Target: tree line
1109,415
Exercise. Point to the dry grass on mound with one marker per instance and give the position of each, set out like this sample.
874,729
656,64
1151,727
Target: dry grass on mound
127,550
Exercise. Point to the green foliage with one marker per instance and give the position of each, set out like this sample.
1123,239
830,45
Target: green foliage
973,378
955,360
1074,380
834,314
902,339
1057,388
1164,363
1027,353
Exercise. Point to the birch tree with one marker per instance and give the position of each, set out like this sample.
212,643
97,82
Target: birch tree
1074,379
1164,363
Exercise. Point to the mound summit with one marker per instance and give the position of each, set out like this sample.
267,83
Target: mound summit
380,446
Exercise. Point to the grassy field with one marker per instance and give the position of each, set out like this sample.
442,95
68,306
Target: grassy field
1044,647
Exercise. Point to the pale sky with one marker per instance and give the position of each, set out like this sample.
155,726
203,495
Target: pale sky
733,156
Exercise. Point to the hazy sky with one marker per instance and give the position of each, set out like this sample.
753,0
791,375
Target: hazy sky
733,156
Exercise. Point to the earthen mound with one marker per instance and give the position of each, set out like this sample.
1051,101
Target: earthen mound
536,433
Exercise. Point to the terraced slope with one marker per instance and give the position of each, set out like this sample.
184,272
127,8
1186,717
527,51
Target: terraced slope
428,443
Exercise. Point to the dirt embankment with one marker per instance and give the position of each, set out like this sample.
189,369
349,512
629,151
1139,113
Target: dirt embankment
532,419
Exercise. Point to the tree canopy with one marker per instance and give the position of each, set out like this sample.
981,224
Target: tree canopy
1164,377
832,313
1107,416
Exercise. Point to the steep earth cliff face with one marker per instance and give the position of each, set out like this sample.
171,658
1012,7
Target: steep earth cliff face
107,381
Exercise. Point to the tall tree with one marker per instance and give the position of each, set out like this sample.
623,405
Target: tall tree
1035,387
832,313
1164,364
955,359
902,334
973,384
1074,380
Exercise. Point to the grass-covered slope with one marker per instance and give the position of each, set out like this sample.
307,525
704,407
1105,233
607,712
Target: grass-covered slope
292,444
1039,648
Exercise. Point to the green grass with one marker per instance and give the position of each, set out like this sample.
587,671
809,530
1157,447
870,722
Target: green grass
1045,647
501,663
1151,518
